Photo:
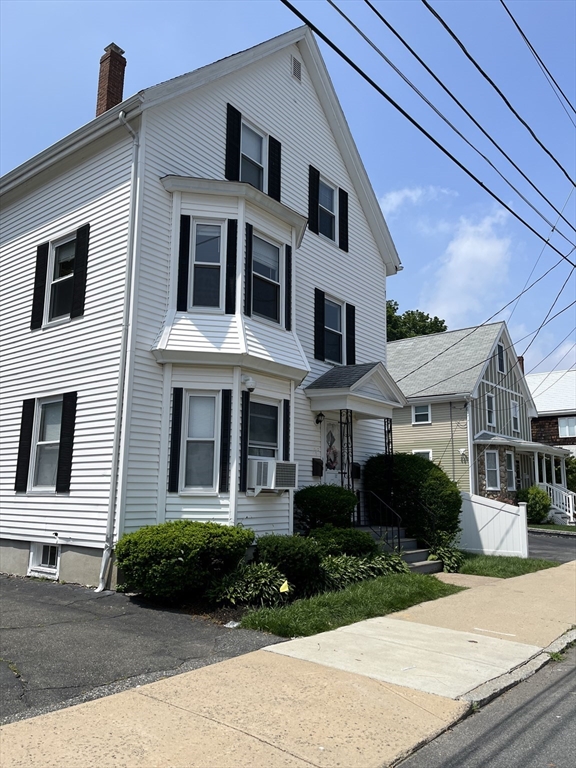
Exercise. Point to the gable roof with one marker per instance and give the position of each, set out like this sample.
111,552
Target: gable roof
553,391
135,105
442,364
342,376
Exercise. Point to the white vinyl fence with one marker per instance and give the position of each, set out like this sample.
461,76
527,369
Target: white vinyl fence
492,527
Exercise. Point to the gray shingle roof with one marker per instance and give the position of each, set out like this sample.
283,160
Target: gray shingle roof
342,376
441,363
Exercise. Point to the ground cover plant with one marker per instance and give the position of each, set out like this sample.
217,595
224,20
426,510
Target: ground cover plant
256,584
502,567
365,600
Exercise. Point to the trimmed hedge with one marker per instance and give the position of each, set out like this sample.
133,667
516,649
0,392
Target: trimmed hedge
344,541
297,557
179,559
408,481
537,504
320,505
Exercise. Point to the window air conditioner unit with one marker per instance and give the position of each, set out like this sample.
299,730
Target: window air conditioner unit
271,475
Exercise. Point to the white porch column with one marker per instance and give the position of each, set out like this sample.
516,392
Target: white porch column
536,469
563,471
544,480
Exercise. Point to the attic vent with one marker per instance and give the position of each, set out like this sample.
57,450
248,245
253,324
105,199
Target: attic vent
296,68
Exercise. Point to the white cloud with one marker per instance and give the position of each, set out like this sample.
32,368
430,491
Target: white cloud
472,275
391,202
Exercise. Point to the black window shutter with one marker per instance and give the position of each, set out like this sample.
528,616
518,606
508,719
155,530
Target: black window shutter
231,244
244,434
183,265
225,427
343,220
248,272
288,290
24,446
350,334
39,286
64,471
233,137
80,271
174,470
319,353
274,167
286,431
313,193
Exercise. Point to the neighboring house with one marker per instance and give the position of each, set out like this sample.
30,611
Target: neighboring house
554,394
194,311
470,411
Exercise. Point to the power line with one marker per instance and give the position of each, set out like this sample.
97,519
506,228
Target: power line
444,118
466,111
549,76
403,112
559,378
493,84
564,284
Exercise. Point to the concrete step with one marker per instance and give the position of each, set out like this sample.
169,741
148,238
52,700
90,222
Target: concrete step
426,566
415,555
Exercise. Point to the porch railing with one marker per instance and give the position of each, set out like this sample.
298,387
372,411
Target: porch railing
373,512
563,500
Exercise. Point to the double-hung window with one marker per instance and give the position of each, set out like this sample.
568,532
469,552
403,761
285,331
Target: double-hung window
490,410
200,469
510,471
47,444
252,157
421,414
263,430
334,329
333,332
501,358
327,210
515,413
567,426
492,471
265,279
207,265
62,279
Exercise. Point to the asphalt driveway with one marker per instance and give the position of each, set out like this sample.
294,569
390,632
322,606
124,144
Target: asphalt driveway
61,644
550,547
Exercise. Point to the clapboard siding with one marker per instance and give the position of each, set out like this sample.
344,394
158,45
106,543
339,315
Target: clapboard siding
81,355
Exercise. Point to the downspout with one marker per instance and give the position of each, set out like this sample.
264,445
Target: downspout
452,443
471,459
111,520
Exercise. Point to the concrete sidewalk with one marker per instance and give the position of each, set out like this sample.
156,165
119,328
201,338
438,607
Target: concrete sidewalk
333,700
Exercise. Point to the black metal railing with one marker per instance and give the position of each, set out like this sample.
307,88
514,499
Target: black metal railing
373,512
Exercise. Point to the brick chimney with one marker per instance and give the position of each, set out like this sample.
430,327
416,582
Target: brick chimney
111,79
521,363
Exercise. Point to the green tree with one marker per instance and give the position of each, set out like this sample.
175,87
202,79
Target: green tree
413,322
571,473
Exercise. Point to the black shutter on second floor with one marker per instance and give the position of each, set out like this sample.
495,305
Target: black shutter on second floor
225,432
288,289
64,470
248,271
80,271
39,286
231,246
24,446
343,220
274,167
313,195
286,431
319,317
244,435
183,265
350,334
233,139
175,439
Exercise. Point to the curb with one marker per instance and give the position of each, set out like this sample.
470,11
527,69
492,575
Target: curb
487,691
548,532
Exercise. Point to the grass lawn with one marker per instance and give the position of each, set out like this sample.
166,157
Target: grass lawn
503,567
554,527
365,600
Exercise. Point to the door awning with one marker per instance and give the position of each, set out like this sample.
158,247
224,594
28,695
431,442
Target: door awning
527,446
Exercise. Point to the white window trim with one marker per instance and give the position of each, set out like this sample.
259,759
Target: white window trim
56,243
342,305
499,347
219,310
264,165
493,409
421,405
515,416
567,426
188,490
420,451
335,212
513,486
35,558
40,489
280,436
496,469
281,280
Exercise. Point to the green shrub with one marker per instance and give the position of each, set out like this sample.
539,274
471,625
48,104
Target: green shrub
320,505
443,547
180,558
410,482
256,584
339,571
296,556
538,504
344,541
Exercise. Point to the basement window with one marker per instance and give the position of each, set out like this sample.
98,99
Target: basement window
44,560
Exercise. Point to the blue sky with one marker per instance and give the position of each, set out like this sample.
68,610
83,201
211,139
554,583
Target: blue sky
464,256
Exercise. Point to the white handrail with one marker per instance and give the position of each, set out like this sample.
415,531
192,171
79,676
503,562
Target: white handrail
562,500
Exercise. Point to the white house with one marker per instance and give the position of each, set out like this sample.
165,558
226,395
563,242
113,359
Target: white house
194,311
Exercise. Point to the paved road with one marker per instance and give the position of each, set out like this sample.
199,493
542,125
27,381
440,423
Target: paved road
61,644
561,548
530,726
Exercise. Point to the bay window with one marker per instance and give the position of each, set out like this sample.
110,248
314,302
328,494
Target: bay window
206,272
263,430
200,442
265,279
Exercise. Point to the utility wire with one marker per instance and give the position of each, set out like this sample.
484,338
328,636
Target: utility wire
403,112
466,111
549,76
444,118
558,379
564,284
493,84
